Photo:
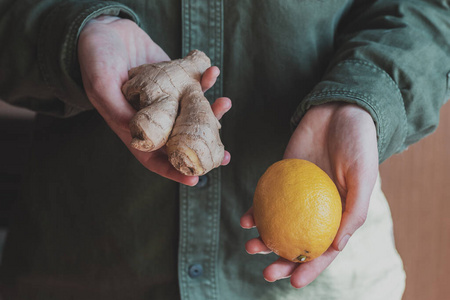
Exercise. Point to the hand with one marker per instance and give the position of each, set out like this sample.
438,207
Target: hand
107,48
341,139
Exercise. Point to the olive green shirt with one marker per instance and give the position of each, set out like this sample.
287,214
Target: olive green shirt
92,223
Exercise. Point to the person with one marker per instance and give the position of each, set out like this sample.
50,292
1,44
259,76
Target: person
344,84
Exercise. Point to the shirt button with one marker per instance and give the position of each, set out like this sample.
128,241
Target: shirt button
202,181
195,270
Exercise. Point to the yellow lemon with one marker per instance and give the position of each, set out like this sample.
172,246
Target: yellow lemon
297,209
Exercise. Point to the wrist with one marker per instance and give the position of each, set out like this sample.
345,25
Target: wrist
338,106
343,110
104,19
333,116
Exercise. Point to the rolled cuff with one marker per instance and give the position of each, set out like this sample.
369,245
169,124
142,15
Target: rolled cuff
364,84
57,48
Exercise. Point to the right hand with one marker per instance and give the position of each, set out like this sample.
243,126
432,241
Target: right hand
107,48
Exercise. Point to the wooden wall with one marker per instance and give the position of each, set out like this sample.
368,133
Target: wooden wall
417,186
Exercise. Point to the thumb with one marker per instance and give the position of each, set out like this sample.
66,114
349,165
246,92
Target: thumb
106,96
355,212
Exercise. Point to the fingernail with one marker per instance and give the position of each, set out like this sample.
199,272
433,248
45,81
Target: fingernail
270,278
343,242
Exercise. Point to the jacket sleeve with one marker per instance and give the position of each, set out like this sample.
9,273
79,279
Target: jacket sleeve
392,58
38,60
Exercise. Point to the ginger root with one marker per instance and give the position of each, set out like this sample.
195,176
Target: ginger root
156,91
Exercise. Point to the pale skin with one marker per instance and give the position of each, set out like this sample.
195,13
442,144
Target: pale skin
107,48
340,138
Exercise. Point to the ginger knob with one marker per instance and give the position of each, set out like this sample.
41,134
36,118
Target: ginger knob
172,111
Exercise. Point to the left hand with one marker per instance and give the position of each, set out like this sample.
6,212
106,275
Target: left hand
341,139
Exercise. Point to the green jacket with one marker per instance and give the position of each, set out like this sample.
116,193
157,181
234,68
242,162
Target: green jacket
92,223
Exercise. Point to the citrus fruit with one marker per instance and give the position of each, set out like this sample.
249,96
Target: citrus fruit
297,209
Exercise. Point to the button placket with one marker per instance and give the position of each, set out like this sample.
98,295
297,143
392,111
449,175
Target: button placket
195,270
199,239
200,205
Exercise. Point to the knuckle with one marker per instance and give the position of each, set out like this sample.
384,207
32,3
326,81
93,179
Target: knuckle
360,219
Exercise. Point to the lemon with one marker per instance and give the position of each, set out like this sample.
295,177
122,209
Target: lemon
297,209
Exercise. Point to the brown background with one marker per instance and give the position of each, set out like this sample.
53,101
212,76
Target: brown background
417,186
416,183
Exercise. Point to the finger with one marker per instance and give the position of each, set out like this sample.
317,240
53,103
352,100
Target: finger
221,106
157,162
355,213
247,220
307,272
209,77
281,268
226,158
256,246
